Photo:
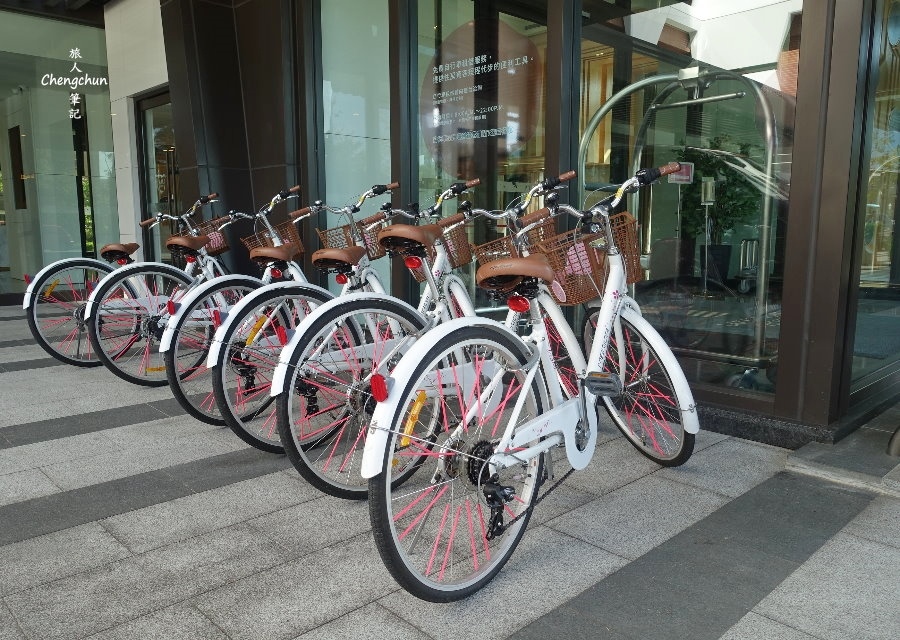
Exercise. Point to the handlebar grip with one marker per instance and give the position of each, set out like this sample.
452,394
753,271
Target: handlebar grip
474,182
551,183
672,167
378,217
206,199
449,221
293,215
378,189
148,222
294,189
537,216
458,187
646,176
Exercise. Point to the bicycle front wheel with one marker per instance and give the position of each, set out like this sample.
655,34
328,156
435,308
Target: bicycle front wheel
251,346
129,318
56,310
185,359
444,524
648,410
323,416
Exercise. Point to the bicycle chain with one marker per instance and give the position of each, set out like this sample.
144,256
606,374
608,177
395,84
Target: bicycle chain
536,502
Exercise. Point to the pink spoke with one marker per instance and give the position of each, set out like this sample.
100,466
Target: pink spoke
269,424
353,449
209,401
437,541
424,511
52,323
334,446
412,504
307,436
450,542
128,344
484,539
512,390
471,524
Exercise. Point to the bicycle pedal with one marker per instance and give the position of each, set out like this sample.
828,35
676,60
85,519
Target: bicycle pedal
603,383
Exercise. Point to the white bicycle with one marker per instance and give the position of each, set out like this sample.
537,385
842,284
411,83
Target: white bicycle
457,447
244,349
194,318
128,309
321,384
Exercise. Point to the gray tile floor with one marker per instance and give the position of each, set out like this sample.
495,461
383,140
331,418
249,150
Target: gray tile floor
120,517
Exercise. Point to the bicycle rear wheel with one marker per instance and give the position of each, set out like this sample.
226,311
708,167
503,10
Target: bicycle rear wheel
129,317
55,311
438,514
251,346
323,417
185,360
648,410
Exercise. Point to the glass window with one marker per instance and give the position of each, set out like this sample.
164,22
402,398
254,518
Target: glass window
357,105
877,339
59,199
481,104
711,85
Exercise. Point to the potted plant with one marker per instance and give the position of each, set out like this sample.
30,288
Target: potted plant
737,199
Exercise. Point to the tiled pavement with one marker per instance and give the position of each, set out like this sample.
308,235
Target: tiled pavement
122,518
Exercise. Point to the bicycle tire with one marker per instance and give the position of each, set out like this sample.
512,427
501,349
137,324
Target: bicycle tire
473,559
129,316
249,354
55,311
185,359
647,412
325,444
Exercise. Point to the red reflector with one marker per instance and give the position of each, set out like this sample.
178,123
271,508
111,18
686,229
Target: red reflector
27,279
379,387
121,261
519,304
217,318
190,259
341,278
412,262
171,307
281,332
277,273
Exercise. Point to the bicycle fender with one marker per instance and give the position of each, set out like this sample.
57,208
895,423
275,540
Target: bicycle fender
29,291
379,427
249,300
195,294
689,418
126,271
299,339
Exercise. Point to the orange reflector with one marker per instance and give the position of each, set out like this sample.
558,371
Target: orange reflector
277,273
171,307
379,387
341,278
412,262
519,304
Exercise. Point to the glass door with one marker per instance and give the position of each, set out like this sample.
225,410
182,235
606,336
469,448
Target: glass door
159,171
667,83
876,342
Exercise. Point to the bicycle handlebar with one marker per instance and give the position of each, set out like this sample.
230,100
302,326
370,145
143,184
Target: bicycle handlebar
160,216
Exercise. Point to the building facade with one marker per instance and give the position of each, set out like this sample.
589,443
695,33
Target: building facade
768,261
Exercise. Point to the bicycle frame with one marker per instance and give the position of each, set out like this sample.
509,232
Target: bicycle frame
561,423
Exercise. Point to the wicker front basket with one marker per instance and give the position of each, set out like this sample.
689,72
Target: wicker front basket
218,241
342,237
286,230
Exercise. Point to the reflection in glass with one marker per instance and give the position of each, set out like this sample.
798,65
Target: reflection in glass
681,86
877,339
